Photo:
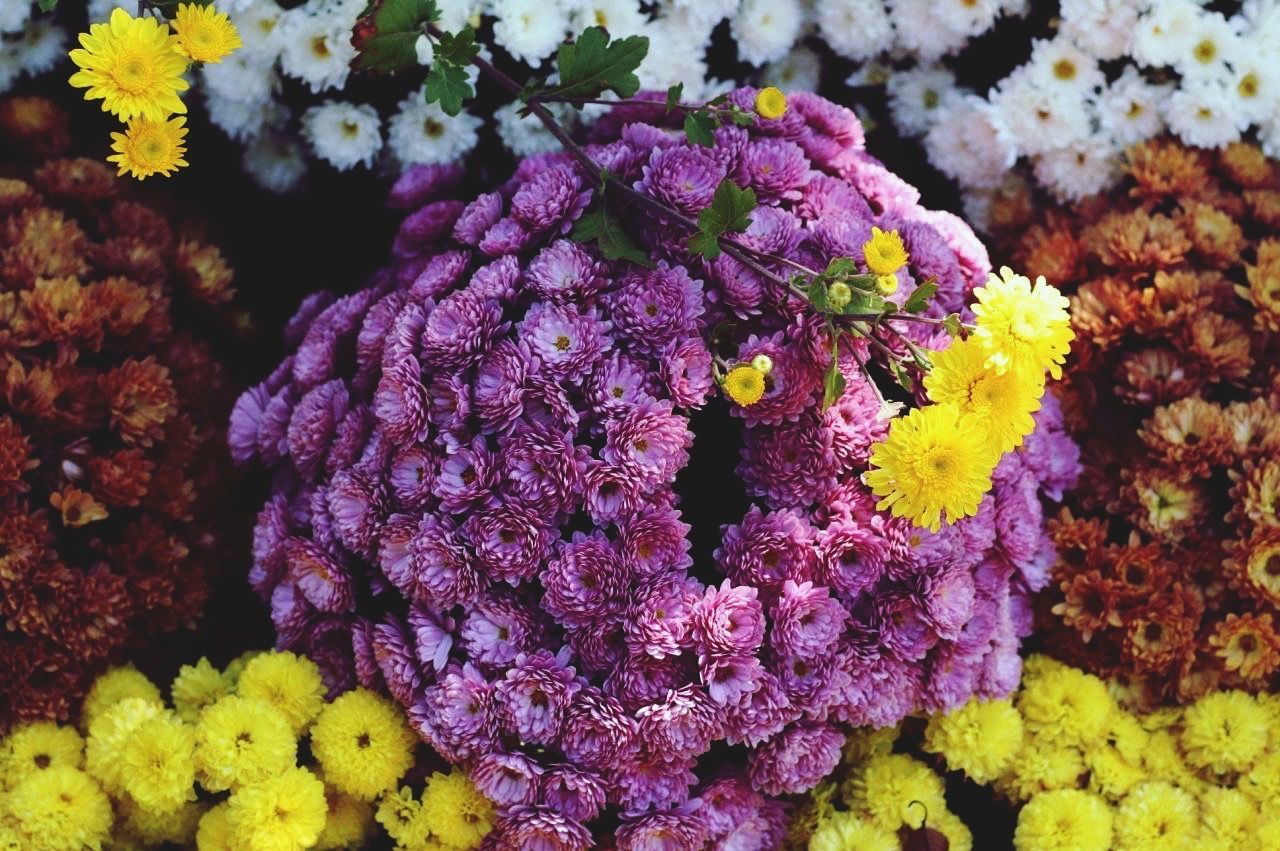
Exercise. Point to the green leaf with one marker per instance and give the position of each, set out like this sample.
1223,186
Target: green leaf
833,380
385,43
593,65
864,302
600,226
902,376
457,48
919,299
727,214
953,325
673,96
448,85
742,118
700,129
48,5
818,296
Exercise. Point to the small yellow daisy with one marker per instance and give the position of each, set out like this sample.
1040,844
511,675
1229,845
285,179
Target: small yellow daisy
132,64
204,33
744,385
771,103
149,147
884,252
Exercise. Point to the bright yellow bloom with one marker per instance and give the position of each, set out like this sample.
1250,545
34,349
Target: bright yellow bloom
150,828
61,809
114,686
771,103
959,837
1066,706
1022,326
1157,816
348,823
1002,403
894,790
288,682
455,811
845,830
196,687
1064,820
287,811
744,385
38,746
149,147
109,734
980,738
887,284
402,817
156,764
1041,767
884,252
1229,816
362,743
933,461
214,832
242,740
132,64
1224,731
204,33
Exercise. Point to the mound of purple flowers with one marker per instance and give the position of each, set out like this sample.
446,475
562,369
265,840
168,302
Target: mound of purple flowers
473,504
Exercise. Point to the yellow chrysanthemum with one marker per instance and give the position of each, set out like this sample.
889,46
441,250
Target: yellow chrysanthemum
284,812
1021,326
151,828
933,461
1041,767
771,103
1162,758
347,824
891,789
114,686
1067,706
156,764
454,810
362,743
38,746
845,830
1156,816
1110,774
1228,816
980,738
149,147
242,740
1262,783
204,33
864,743
884,253
214,831
1064,820
402,817
132,65
237,665
1224,731
109,734
1127,735
196,687
1002,402
60,809
288,682
744,385
959,837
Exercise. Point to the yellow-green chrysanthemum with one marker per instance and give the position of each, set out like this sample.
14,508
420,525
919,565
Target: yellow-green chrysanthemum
132,64
845,830
289,682
151,828
204,34
1157,816
1064,820
744,385
60,809
156,764
362,743
1228,816
196,687
149,147
402,817
455,811
1110,774
980,738
242,740
884,253
285,811
114,686
1224,731
1002,402
1021,326
1041,767
38,746
933,461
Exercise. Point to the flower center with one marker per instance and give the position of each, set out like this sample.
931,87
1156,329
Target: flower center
133,73
1248,86
1064,69
562,343
1206,51
320,47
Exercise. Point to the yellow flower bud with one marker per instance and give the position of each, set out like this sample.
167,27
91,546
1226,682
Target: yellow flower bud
771,103
838,295
887,284
762,363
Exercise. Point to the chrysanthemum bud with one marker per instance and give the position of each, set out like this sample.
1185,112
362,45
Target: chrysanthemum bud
839,294
762,363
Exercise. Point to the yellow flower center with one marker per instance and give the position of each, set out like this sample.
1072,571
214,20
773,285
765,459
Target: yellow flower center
1206,51
433,128
320,47
1064,69
744,385
132,72
935,466
1248,86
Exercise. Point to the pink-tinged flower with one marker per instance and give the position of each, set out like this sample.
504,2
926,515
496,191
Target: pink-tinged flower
538,829
760,715
650,442
841,235
441,274
324,580
790,387
853,422
456,715
312,425
498,628
638,679
657,307
948,595
766,550
499,389
578,794
355,435
412,477
422,183
884,190
366,664
806,620
542,470
900,619
552,199
789,465
432,637
508,542
507,236
728,801
585,581
676,830
686,372
600,647
393,653
728,620
797,760
617,384
825,197
246,420
477,217
683,176
400,402
658,623
609,491
774,168
358,505
422,229
460,329
646,784
682,726
467,478
597,733
566,340
507,779
730,679
533,696
565,272
654,540
432,566
852,556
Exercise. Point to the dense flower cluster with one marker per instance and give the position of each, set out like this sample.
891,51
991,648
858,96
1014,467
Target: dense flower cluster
1094,777
110,421
129,776
1167,574
474,463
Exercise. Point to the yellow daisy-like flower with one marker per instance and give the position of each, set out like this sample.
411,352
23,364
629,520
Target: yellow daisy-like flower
347,824
288,682
1021,326
61,808
401,816
285,812
156,764
1229,816
455,811
933,461
362,743
771,103
149,147
845,830
980,738
884,252
1064,820
1157,816
131,64
114,686
109,734
204,33
196,687
1225,731
744,385
1066,706
38,746
242,740
891,789
1002,403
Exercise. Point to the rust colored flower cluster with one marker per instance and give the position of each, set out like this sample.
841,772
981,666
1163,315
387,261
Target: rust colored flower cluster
111,420
1168,576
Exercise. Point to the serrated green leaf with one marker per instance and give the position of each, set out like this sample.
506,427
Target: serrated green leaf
593,64
448,85
817,291
919,299
862,282
396,25
673,96
457,48
700,129
599,226
953,325
840,267
47,5
727,214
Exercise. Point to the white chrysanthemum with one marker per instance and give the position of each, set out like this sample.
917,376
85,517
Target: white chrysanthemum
856,29
970,143
1255,84
316,49
1212,48
523,135
43,43
260,26
241,77
243,119
705,13
343,134
1202,114
1060,64
918,95
14,15
9,69
919,31
456,14
672,58
968,17
1041,120
765,29
1129,108
276,161
100,10
620,17
1079,171
1164,32
530,30
1262,23
798,71
1269,137
421,132
1103,28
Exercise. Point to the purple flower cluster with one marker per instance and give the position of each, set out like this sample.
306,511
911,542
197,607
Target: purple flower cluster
473,504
